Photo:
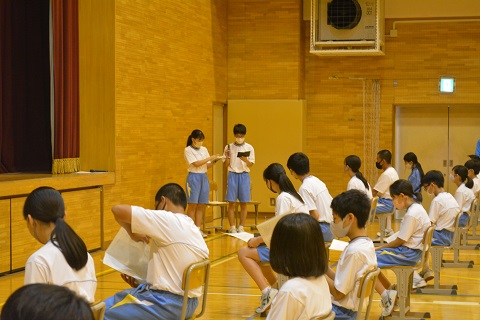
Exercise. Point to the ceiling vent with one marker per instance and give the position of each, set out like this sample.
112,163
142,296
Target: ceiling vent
347,27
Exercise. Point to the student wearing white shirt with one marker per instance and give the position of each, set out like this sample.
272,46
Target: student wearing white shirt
313,191
350,213
298,252
381,188
198,188
464,194
473,167
406,249
63,259
288,201
357,181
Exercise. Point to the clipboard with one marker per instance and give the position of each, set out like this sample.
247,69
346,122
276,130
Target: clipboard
243,154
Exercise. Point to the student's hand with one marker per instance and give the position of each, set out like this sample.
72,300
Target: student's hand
140,237
130,280
244,159
227,154
254,242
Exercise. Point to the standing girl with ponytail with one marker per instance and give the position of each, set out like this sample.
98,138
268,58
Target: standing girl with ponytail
251,256
464,194
198,187
63,260
357,180
416,176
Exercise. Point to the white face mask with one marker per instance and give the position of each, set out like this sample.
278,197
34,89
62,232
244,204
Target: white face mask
452,177
338,230
197,144
239,140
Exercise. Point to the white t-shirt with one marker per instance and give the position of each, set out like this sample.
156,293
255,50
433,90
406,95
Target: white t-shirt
355,261
443,211
48,265
236,164
316,196
464,197
384,182
413,226
476,186
302,299
356,183
175,244
192,155
286,203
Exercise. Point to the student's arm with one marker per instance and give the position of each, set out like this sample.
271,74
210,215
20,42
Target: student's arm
255,242
333,291
206,160
123,215
394,244
315,214
245,159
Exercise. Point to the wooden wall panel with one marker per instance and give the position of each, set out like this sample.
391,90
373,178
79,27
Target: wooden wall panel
23,243
4,235
83,214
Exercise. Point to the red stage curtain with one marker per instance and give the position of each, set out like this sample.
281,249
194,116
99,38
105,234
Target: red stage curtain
66,149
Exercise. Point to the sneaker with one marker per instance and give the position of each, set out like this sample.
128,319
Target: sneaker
388,302
419,283
388,233
204,235
427,275
233,230
240,229
266,300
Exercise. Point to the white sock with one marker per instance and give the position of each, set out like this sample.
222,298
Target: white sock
265,291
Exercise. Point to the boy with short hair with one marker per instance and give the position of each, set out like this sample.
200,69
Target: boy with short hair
350,214
313,191
239,158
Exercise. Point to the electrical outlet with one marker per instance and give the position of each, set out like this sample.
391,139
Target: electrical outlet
272,202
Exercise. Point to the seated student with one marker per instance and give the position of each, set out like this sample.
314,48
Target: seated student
406,249
176,243
63,259
298,252
350,214
40,301
442,213
464,194
473,167
254,253
388,176
313,191
357,181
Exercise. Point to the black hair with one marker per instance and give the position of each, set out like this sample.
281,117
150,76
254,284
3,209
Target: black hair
405,187
352,201
40,301
385,155
196,134
473,165
412,157
354,163
297,248
474,157
239,129
46,204
299,163
174,192
434,176
276,172
462,171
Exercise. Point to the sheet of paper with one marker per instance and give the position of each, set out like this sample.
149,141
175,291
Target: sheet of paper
338,245
128,256
266,228
392,237
245,236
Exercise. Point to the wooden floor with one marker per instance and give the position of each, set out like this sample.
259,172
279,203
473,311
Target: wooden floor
233,295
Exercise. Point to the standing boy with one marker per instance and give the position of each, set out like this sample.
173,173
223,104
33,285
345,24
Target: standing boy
239,158
313,191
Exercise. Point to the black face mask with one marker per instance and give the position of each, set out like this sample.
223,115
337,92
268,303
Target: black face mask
378,165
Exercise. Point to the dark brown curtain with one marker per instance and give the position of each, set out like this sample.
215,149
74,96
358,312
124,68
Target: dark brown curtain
66,147
25,135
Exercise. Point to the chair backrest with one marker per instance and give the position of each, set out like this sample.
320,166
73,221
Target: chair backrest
457,234
98,310
366,290
427,244
473,213
195,275
373,210
214,190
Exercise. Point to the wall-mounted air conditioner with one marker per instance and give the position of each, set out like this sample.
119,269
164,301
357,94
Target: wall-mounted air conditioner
347,27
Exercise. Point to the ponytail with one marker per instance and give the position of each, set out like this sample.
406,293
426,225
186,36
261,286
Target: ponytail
276,172
196,134
354,163
360,176
189,140
70,244
462,172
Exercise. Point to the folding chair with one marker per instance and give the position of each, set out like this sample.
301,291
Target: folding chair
251,202
472,225
373,210
195,275
215,203
365,291
382,220
437,253
404,276
474,221
456,247
98,310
